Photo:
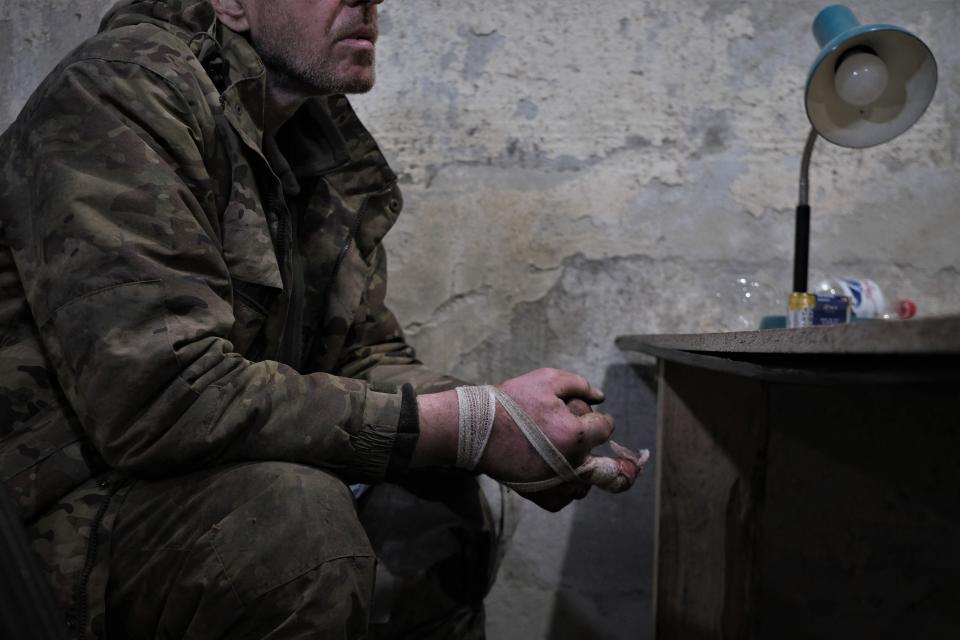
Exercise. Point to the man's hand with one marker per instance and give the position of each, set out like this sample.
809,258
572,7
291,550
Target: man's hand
558,401
543,394
557,498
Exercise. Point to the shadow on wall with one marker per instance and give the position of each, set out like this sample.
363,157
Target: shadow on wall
607,578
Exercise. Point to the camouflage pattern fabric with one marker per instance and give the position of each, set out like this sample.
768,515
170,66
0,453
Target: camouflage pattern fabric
254,550
74,539
268,549
179,293
438,544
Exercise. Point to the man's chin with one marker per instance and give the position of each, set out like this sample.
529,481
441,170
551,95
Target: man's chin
355,81
358,79
358,85
317,80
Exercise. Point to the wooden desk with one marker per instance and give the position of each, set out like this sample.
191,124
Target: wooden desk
808,482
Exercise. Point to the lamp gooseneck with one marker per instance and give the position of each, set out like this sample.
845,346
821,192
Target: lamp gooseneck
801,247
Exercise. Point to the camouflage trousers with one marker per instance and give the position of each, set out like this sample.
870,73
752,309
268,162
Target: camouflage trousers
273,550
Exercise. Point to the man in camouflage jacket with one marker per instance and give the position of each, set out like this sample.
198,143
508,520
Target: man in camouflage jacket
196,356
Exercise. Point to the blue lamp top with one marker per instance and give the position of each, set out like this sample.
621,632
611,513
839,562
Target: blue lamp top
912,80
831,22
835,25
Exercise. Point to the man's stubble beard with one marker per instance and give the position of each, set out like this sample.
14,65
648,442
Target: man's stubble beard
295,70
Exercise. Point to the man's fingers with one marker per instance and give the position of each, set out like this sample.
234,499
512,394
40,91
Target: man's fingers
578,407
610,474
596,429
570,385
559,497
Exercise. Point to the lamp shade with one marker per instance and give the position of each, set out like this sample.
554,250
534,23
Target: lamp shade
870,83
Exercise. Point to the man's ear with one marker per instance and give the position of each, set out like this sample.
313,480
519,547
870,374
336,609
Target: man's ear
232,13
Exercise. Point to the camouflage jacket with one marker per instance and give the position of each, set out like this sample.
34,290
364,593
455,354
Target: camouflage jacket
177,290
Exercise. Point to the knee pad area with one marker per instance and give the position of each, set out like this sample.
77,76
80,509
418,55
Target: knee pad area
293,520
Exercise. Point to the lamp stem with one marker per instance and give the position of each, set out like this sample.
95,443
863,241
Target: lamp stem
801,248
805,167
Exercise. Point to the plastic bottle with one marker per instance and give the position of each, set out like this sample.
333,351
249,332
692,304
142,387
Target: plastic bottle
867,298
905,309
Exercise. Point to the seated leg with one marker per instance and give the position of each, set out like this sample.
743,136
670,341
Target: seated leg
439,541
260,550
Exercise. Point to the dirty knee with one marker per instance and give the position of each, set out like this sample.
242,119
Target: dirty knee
296,520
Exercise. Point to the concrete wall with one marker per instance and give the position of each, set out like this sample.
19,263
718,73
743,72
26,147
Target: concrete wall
575,171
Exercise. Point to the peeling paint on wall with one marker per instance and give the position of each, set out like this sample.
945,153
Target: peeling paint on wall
631,168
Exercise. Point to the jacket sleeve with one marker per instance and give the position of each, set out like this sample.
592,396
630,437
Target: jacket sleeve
119,252
375,348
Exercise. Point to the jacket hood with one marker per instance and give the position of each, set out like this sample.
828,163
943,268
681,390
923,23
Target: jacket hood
185,16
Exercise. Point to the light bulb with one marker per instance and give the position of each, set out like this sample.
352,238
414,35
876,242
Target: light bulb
860,79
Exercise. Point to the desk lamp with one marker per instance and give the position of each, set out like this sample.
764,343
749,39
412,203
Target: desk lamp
868,85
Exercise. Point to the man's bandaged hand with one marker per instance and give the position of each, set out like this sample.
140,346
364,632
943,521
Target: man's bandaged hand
557,403
611,473
539,441
614,474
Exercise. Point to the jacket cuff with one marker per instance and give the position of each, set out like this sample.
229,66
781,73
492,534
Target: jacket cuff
408,432
391,427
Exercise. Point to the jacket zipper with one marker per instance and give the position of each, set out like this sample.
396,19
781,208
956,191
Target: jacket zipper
287,247
297,302
81,604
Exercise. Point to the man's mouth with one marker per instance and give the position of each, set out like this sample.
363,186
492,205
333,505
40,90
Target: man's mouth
361,36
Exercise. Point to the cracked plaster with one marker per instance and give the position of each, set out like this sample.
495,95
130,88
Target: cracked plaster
648,185
576,171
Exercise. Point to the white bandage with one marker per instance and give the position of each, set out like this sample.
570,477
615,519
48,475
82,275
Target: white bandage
478,407
602,471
